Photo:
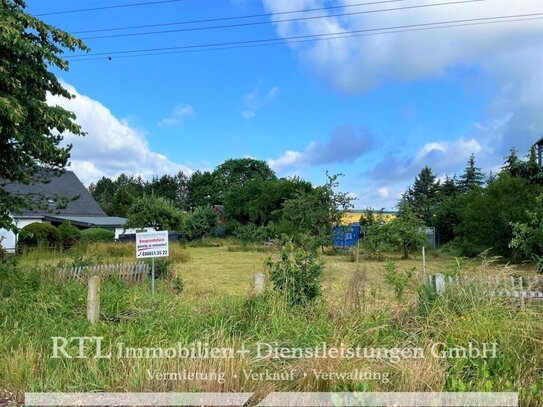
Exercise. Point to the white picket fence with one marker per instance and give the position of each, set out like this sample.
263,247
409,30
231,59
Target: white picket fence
521,288
129,272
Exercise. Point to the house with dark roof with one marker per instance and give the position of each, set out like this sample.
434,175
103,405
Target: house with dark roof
62,198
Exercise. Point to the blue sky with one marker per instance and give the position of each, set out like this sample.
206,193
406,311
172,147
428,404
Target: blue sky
376,108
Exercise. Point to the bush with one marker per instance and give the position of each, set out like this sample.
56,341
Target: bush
97,235
297,274
397,278
69,234
200,222
39,235
246,234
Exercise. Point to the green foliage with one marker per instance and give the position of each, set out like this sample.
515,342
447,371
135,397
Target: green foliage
202,190
200,222
297,274
377,241
472,177
31,130
156,212
69,234
238,172
421,199
39,235
97,235
405,234
488,214
397,278
246,234
261,202
316,212
527,241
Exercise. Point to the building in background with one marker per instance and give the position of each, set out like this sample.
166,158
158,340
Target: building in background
80,208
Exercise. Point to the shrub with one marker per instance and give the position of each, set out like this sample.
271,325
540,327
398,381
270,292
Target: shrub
246,234
39,235
3,251
297,274
69,234
200,222
398,278
97,235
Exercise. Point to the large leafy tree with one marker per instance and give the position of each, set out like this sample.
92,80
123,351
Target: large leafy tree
30,129
152,211
238,172
316,212
260,202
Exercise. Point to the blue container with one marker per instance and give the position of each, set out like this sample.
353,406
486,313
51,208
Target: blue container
346,236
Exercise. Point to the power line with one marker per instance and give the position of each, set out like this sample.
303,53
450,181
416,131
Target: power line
300,37
83,10
209,20
279,21
279,41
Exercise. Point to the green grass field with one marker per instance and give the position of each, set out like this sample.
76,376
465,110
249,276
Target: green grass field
218,306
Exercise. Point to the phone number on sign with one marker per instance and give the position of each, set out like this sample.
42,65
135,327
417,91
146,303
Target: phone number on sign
153,253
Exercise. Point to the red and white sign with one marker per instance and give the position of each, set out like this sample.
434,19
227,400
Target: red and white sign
152,244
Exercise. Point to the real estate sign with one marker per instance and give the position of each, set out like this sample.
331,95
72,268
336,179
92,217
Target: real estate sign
152,244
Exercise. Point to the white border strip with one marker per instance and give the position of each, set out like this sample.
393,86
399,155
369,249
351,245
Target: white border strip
421,399
136,399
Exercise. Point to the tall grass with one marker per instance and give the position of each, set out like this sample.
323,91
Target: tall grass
34,308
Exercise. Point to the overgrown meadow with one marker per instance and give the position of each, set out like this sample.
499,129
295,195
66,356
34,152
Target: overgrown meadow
207,296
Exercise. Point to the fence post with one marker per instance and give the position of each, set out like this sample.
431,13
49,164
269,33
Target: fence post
439,282
93,299
423,261
259,283
521,292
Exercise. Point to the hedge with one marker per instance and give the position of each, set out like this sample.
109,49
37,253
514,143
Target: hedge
97,235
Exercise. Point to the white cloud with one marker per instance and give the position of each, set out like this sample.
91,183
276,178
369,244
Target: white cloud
346,144
256,100
383,192
358,63
111,146
180,113
444,157
248,114
506,58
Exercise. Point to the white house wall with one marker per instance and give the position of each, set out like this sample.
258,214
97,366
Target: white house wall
9,238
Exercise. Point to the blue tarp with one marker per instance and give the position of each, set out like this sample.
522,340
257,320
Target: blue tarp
346,236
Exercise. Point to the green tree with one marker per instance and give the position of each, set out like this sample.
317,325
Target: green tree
103,192
527,241
472,177
156,212
316,212
488,214
202,190
421,199
31,130
405,234
238,172
261,202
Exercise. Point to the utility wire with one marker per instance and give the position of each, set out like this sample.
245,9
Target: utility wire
300,37
84,10
209,20
279,21
279,41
